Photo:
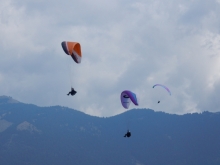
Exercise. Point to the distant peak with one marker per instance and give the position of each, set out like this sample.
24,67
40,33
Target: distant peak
7,99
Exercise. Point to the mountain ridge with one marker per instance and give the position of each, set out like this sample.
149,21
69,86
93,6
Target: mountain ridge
59,135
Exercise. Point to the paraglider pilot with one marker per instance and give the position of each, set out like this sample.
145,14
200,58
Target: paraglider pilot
128,134
158,102
72,92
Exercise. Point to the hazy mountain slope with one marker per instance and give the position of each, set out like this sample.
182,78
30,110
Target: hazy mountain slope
58,135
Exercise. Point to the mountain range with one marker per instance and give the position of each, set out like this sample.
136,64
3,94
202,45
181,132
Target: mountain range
56,135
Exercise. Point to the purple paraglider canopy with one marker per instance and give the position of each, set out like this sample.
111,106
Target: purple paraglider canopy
126,98
163,87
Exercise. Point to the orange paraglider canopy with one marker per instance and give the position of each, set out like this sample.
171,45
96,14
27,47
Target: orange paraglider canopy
73,49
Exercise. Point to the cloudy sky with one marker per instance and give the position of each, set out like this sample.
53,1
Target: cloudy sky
126,45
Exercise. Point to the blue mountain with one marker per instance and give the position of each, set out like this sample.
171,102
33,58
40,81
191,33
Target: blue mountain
33,135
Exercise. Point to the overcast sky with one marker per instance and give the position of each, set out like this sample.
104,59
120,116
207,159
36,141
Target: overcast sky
126,45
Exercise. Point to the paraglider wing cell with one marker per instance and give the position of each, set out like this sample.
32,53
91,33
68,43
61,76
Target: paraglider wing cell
65,47
125,100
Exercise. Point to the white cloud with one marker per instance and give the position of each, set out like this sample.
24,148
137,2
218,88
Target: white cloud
125,44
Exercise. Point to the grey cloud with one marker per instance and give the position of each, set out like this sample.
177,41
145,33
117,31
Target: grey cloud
125,45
